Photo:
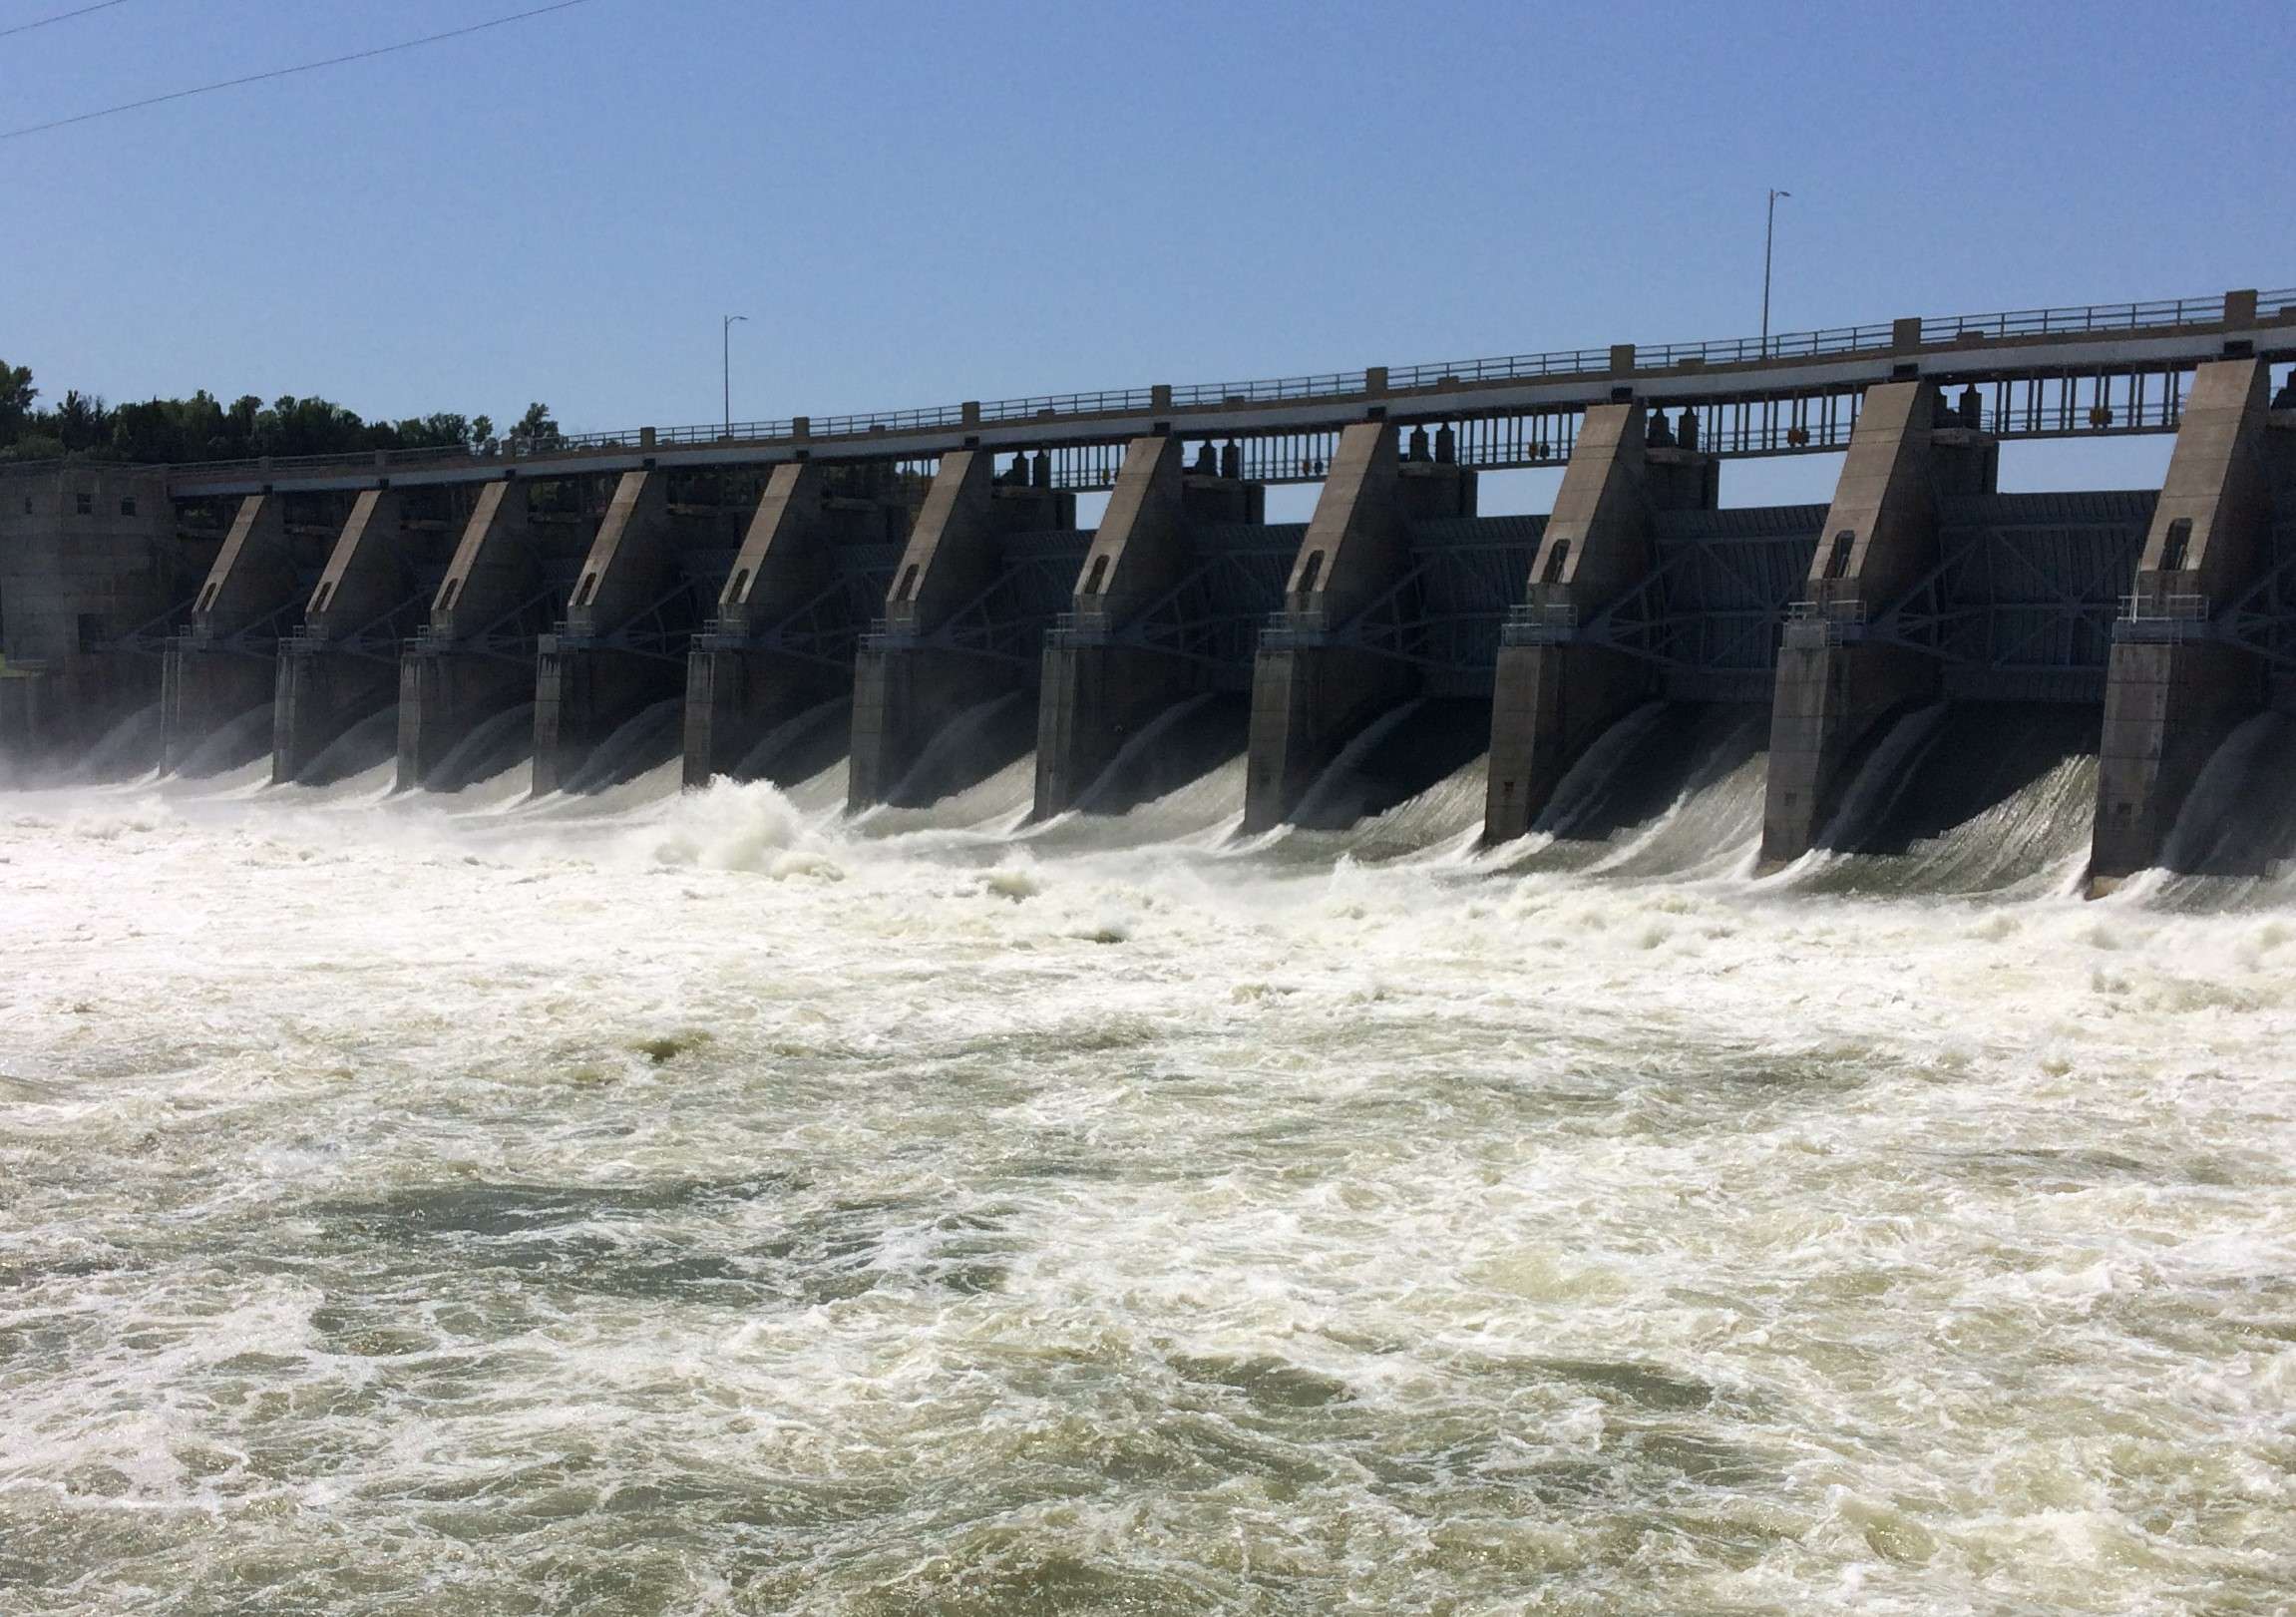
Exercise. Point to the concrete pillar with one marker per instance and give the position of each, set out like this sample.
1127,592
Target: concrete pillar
736,693
2172,691
1310,692
222,667
585,690
1834,690
905,687
1096,692
326,685
449,683
1553,696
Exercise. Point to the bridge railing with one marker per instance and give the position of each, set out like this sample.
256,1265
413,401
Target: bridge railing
2075,321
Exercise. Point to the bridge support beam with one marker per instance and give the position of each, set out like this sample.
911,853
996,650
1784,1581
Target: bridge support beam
1095,694
324,685
2171,695
1552,696
1311,691
585,689
906,689
1834,690
221,667
450,682
736,693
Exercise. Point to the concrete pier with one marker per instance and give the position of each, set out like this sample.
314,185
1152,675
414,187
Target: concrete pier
584,687
2173,689
1097,691
222,667
331,675
907,688
88,556
1835,690
744,674
470,661
1311,689
1554,694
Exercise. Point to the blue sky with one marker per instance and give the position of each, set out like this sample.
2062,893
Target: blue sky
922,202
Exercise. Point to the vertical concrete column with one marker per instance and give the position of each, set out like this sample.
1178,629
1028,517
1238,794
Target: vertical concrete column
221,669
448,687
323,686
1552,696
1309,693
584,690
2172,691
1834,690
735,692
906,689
1095,694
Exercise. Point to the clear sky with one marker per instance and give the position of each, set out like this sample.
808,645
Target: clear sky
922,203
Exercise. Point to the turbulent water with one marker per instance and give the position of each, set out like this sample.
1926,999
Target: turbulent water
657,1203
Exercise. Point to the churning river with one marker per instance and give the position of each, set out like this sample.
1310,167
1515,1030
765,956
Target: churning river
657,1203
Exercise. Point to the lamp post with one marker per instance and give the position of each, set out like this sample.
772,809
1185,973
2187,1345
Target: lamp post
725,335
1768,236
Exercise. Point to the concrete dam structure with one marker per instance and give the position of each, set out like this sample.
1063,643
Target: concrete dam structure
910,593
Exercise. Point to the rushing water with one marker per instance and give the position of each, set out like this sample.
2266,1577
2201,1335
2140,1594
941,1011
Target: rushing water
657,1203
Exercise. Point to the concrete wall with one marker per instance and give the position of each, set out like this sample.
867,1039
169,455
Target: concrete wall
87,555
584,692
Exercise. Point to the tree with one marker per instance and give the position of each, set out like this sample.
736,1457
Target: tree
482,429
16,396
536,430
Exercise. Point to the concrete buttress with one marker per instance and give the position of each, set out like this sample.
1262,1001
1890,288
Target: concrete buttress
450,680
1834,690
221,667
585,688
1097,693
1553,696
906,689
325,682
1310,691
2172,691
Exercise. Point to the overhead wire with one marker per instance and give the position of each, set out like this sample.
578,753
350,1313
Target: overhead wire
283,73
60,17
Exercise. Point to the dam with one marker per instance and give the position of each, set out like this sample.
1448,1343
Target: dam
912,592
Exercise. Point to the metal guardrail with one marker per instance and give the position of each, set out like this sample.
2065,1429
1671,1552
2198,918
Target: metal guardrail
1540,624
2073,320
2151,618
1290,631
1810,624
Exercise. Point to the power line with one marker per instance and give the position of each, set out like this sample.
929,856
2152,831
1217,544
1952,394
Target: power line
60,17
282,73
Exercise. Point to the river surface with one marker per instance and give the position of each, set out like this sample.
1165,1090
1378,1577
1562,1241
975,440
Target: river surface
701,1204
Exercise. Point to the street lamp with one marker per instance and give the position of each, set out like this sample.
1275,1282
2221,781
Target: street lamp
1769,234
725,335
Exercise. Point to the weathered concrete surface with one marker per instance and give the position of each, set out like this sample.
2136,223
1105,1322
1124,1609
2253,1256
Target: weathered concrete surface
87,554
1309,696
448,683
905,689
734,694
2169,703
222,667
1095,696
326,684
1551,700
583,690
1835,692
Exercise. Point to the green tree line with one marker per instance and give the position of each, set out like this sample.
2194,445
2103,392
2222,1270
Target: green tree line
204,428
